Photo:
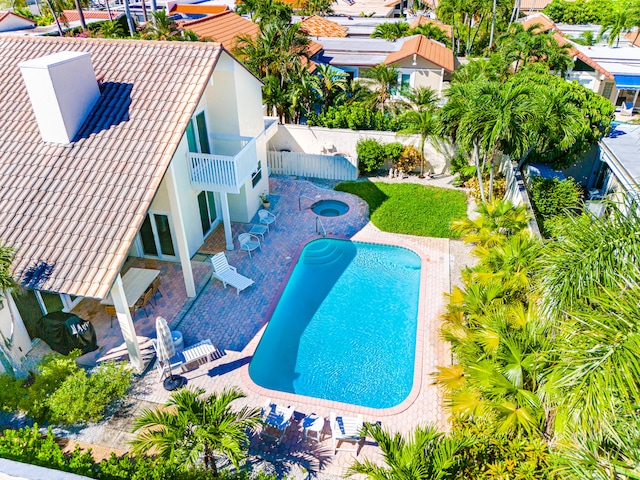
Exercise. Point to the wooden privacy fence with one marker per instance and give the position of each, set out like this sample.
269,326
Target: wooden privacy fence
310,165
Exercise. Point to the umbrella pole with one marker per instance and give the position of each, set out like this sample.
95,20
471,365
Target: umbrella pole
173,382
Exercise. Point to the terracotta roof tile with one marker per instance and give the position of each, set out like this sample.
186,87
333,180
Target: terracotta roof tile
316,26
429,50
223,28
79,191
422,20
542,22
69,16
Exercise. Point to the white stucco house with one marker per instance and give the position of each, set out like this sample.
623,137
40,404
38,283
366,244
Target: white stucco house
118,148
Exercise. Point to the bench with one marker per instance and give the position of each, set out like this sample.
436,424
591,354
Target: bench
203,350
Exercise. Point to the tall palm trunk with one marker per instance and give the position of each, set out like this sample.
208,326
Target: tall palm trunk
493,24
144,12
55,16
422,141
83,24
127,11
476,158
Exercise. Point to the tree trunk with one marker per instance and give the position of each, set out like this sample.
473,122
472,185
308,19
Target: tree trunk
106,4
476,158
144,12
55,16
422,139
493,24
83,24
491,169
127,10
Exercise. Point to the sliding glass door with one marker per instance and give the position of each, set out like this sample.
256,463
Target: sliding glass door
156,236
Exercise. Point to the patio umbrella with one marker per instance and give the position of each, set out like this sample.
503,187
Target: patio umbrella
166,350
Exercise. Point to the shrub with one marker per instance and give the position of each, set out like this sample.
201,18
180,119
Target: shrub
499,186
61,391
371,155
551,196
356,116
409,159
83,397
460,165
393,151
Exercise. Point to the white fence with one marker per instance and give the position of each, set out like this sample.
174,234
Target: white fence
311,165
517,191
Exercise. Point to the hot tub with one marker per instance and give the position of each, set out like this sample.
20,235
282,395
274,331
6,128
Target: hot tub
330,208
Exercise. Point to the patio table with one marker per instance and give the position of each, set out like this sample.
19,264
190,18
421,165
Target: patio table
135,282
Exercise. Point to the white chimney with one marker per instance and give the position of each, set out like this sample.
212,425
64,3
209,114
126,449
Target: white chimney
63,89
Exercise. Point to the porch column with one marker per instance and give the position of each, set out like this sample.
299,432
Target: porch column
126,324
181,233
226,220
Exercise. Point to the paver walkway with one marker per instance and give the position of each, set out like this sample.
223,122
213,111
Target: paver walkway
235,324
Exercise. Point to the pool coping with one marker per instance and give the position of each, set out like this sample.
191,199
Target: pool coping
293,398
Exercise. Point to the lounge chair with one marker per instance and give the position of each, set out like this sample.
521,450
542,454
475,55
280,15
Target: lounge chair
228,274
248,242
203,350
266,217
626,109
345,429
276,419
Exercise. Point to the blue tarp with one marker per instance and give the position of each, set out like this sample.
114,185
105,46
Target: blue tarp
627,82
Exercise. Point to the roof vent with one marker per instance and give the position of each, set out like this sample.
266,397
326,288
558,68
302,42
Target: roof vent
63,89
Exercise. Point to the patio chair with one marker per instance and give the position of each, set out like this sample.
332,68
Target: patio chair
626,109
266,218
143,302
111,311
155,287
228,274
248,242
276,419
345,429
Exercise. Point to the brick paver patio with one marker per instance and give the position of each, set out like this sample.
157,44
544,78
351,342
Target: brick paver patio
235,324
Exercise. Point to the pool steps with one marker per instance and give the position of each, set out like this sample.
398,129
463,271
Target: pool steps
323,255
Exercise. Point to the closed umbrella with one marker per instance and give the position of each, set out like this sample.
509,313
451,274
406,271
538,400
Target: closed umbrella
165,351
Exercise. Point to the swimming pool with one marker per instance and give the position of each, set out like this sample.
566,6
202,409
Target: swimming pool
345,326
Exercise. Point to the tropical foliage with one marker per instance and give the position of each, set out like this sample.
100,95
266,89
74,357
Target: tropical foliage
578,12
192,426
545,339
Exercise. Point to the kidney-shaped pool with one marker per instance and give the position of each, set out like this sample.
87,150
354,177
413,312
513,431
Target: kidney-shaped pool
345,326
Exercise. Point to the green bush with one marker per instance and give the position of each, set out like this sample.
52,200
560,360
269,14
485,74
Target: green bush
410,158
393,151
552,197
356,116
371,155
62,392
578,12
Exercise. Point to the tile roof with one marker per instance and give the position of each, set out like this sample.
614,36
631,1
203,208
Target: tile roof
4,14
79,206
197,9
316,26
422,20
634,38
531,5
425,48
542,22
224,28
69,16
574,52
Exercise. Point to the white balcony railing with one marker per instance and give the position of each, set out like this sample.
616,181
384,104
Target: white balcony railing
223,173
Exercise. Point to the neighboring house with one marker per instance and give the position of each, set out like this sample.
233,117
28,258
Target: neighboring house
616,176
228,26
171,143
316,26
422,20
10,22
540,23
421,62
528,7
189,11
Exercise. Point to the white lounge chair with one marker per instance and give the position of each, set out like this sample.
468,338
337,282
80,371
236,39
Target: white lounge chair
228,274
266,217
345,429
276,419
249,242
203,350
626,109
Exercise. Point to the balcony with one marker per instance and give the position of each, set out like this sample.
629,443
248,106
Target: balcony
228,168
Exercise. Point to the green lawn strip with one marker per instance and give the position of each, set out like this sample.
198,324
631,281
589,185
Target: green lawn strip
410,208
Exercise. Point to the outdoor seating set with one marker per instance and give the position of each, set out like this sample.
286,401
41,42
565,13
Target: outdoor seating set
277,419
249,241
142,287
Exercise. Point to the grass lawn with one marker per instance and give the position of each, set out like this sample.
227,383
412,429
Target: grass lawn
410,208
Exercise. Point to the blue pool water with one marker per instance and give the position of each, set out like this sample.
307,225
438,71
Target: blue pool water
345,326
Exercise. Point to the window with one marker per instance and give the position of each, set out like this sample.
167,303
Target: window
256,176
608,88
197,134
207,207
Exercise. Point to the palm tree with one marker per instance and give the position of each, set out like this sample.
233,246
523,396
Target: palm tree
433,32
266,11
494,223
191,426
621,18
330,84
421,121
425,455
391,30
162,27
385,79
